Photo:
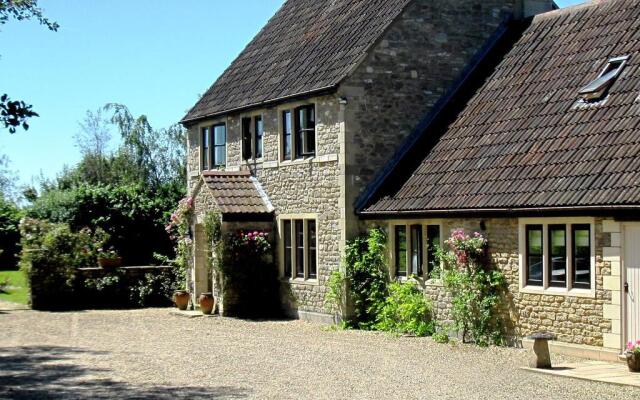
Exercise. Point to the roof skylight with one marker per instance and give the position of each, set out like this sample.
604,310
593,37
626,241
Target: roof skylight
597,88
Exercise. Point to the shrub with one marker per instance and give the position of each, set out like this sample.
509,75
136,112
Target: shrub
405,310
440,337
334,300
50,255
9,234
476,289
367,277
133,216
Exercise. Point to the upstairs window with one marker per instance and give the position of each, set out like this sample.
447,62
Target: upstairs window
286,135
247,146
258,134
598,88
205,147
305,131
252,133
299,133
219,145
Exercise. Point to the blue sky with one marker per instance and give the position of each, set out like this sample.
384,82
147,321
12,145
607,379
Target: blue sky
155,56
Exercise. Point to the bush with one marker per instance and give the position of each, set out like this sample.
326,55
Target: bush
50,255
476,288
405,311
440,337
9,234
132,215
367,277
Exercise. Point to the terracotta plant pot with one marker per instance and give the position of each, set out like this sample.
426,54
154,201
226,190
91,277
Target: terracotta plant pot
633,362
181,298
207,303
109,262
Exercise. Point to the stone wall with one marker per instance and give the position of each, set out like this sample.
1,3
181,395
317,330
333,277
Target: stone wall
309,187
585,320
408,71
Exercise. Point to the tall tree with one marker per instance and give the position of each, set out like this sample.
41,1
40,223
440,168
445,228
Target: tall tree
16,113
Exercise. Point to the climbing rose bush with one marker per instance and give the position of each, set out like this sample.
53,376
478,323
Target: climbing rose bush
475,286
254,242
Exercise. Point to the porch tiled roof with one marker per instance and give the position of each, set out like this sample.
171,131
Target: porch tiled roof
237,193
523,140
307,46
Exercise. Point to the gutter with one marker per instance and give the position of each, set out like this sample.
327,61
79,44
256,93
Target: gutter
434,114
511,211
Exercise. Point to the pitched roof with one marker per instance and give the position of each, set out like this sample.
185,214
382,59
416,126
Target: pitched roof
307,46
237,193
523,140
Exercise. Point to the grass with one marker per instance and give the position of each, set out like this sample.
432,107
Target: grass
18,291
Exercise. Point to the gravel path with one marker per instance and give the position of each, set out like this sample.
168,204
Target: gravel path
153,354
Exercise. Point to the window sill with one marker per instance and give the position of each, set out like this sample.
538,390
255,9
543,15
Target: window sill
300,281
557,291
253,160
306,160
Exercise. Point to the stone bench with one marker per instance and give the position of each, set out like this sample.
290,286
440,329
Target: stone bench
541,357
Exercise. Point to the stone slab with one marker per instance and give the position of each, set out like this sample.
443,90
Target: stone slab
595,371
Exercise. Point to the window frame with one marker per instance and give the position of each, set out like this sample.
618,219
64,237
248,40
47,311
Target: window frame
251,149
426,267
307,275
530,228
205,152
213,160
597,89
547,288
550,255
297,136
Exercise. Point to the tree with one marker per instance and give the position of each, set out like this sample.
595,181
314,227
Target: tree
7,179
16,113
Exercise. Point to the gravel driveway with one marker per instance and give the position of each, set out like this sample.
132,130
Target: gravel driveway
153,354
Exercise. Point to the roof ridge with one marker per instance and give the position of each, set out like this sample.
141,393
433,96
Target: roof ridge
572,9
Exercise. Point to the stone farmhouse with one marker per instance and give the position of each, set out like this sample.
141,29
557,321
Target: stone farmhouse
508,117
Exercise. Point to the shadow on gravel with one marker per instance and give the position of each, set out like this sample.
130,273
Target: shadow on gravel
47,372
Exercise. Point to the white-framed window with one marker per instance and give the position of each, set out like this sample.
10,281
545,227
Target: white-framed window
298,247
412,247
557,256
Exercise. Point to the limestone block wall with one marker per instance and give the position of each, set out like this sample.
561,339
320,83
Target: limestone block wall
579,320
593,320
416,62
312,186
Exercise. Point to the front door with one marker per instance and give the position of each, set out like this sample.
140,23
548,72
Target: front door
632,281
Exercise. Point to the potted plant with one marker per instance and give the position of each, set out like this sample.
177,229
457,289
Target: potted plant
633,356
109,258
181,298
207,303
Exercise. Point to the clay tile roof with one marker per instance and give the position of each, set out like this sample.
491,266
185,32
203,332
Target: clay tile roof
522,140
237,193
307,46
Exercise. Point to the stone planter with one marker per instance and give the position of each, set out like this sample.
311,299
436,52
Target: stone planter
207,303
109,262
181,298
633,362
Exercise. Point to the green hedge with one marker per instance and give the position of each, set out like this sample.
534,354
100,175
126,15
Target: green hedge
9,235
133,216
